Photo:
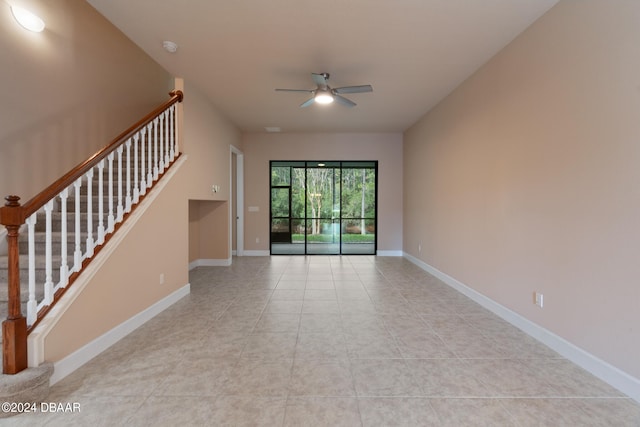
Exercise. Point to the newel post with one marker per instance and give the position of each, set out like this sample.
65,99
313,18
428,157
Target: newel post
14,328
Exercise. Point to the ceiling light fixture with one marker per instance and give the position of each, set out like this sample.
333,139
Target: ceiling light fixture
323,96
27,19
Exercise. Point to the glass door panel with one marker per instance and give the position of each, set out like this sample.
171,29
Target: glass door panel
280,176
358,210
280,217
326,239
354,241
280,202
325,207
321,199
298,193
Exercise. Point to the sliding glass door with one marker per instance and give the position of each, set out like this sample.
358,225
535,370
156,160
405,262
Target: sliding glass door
323,207
358,213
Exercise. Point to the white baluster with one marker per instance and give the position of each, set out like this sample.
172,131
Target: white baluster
111,222
149,157
77,254
100,202
165,132
161,143
127,200
143,149
155,149
90,243
120,212
136,191
64,266
172,137
32,305
163,137
48,283
175,124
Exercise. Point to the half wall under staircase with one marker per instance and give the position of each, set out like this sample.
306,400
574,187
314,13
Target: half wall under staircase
55,235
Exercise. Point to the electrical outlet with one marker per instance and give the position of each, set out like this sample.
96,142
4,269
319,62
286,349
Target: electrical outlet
257,240
162,278
419,247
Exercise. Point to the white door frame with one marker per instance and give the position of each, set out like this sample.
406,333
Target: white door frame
238,199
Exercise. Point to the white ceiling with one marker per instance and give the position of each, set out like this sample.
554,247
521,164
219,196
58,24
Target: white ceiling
413,53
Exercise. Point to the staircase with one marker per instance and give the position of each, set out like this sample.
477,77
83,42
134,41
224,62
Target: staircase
56,244
55,235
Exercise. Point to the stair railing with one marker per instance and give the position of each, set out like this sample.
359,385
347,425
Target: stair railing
122,173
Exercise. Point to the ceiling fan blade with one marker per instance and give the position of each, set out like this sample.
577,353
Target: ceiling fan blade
295,90
320,79
344,101
353,89
307,102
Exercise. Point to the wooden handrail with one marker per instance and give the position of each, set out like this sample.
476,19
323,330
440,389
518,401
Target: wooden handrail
13,215
67,179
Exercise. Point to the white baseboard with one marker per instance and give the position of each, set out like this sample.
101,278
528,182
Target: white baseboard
75,360
234,252
37,337
599,368
256,253
210,263
389,253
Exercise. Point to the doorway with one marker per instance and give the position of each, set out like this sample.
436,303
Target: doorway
323,208
236,207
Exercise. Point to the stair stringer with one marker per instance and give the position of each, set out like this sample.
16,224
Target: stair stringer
37,337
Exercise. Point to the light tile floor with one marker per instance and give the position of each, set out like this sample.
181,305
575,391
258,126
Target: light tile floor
330,341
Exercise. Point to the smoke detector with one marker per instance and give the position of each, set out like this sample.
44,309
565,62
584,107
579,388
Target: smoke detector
169,46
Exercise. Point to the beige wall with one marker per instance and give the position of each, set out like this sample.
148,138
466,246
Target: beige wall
259,148
129,281
526,178
207,140
184,223
208,230
67,91
208,135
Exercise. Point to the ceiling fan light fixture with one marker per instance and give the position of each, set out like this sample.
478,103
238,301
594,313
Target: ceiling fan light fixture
323,97
324,94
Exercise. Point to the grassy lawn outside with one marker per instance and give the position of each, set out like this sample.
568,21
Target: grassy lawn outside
328,238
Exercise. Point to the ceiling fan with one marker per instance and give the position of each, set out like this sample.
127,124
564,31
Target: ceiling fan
324,94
